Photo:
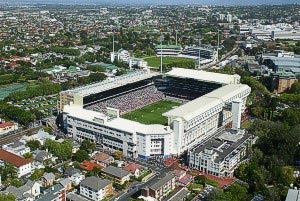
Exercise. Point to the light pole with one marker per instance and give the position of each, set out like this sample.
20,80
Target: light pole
199,53
161,60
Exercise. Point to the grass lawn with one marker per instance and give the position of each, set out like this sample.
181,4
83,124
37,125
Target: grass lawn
152,114
246,124
211,182
155,61
195,187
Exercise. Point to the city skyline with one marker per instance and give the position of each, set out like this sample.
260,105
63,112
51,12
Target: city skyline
156,2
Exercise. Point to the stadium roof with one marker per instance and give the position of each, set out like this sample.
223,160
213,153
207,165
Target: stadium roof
200,105
111,83
168,47
204,76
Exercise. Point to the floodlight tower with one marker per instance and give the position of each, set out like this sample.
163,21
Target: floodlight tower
161,55
199,53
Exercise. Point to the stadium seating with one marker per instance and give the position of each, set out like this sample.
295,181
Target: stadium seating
130,101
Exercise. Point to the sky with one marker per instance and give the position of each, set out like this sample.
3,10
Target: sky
168,2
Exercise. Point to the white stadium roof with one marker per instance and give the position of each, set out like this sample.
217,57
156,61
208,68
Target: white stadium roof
111,83
204,76
200,105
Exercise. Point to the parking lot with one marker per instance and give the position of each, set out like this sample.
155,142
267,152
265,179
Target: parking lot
203,194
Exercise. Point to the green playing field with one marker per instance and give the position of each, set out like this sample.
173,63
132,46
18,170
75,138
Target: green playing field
152,114
155,61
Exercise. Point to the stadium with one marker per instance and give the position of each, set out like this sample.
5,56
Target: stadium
146,114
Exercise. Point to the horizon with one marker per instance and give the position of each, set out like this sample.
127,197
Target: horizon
156,2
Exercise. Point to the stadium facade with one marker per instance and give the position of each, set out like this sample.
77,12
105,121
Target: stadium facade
211,102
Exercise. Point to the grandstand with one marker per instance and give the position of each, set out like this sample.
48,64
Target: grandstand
209,102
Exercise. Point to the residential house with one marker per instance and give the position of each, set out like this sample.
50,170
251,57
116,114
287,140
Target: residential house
134,169
27,192
161,188
66,183
41,136
117,174
22,165
6,127
42,155
74,175
103,159
48,179
89,165
182,178
95,188
17,147
54,193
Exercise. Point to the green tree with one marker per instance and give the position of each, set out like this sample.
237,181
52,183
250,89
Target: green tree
200,179
33,144
81,155
118,155
295,88
7,197
28,155
87,145
37,174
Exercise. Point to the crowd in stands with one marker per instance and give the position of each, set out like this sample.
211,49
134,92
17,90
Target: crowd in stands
130,101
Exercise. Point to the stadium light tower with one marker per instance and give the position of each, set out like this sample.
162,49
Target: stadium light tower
218,45
176,31
199,53
161,60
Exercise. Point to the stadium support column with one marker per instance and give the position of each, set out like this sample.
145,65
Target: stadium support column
236,110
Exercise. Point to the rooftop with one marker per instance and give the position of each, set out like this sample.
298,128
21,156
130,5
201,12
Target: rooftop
132,167
204,76
116,172
162,181
13,158
168,47
223,145
111,83
200,105
88,165
6,124
178,194
95,182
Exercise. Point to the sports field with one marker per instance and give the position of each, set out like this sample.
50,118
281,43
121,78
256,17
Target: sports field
5,90
152,114
155,61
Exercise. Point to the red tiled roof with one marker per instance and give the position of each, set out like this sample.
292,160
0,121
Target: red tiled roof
13,158
132,167
11,64
6,124
89,166
101,157
186,179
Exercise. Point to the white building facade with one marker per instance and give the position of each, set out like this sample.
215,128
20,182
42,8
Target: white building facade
188,124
